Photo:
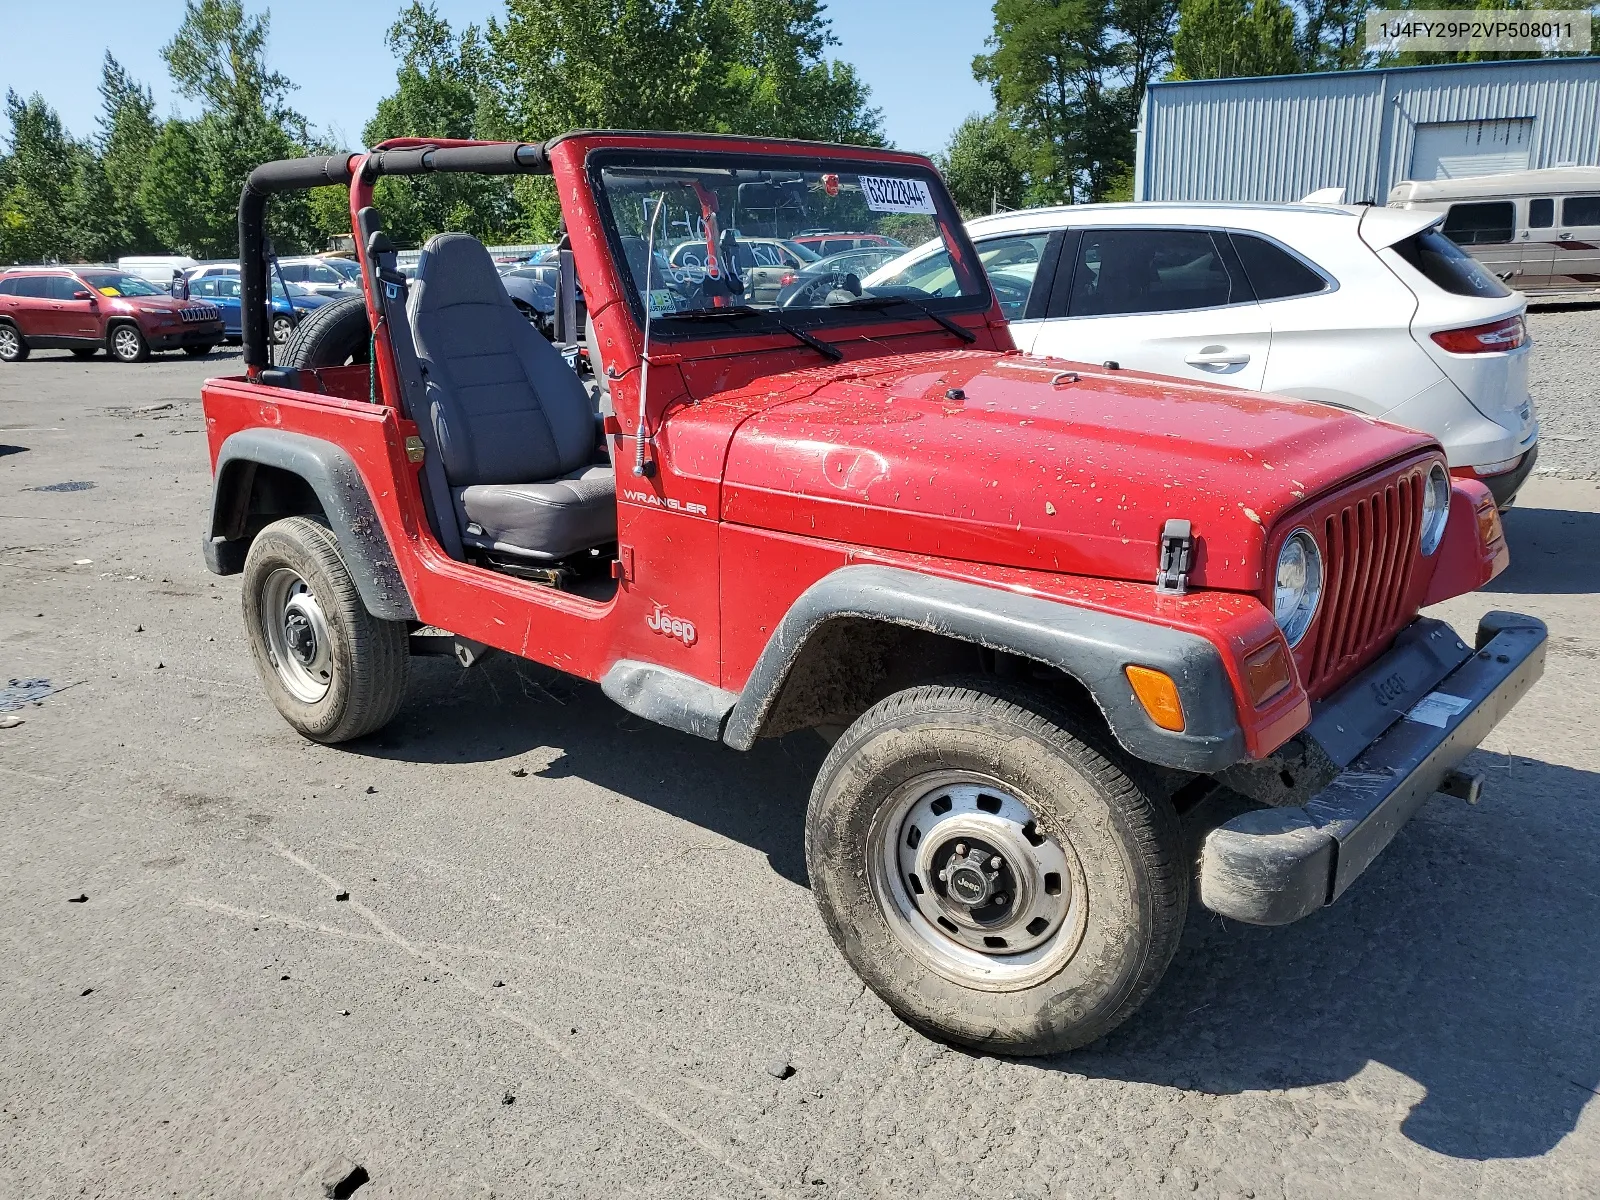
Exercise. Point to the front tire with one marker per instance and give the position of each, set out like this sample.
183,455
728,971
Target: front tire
282,329
999,880
12,346
127,344
333,670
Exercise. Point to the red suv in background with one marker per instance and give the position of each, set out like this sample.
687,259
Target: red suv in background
83,309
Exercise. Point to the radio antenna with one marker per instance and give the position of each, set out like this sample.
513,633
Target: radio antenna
644,363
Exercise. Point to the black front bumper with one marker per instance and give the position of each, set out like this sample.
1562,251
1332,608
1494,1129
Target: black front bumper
1272,866
202,333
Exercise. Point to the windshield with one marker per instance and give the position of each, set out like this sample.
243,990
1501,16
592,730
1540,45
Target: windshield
349,268
735,234
120,283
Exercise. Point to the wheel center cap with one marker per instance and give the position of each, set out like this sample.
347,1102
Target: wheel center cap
969,885
301,637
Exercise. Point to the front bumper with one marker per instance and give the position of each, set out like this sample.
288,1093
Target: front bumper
203,333
1272,866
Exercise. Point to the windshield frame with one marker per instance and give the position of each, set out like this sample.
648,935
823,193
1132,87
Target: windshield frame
764,322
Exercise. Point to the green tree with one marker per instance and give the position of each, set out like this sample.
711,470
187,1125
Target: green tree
189,192
127,136
442,92
1219,39
1068,76
723,66
983,165
50,187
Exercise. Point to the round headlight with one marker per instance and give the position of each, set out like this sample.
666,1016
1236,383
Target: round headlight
1299,585
1435,508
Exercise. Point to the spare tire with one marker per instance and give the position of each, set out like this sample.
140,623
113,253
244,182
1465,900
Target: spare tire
331,336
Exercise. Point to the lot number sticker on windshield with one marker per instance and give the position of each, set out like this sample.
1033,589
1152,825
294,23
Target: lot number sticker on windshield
896,195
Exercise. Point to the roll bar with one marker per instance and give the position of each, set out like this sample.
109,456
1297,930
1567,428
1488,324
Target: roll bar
297,174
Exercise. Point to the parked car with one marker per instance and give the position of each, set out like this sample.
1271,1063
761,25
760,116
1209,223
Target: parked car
533,291
1539,231
761,263
821,242
85,309
222,289
1370,309
1041,614
814,281
320,275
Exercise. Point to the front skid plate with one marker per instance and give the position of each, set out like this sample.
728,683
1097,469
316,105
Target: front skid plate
1276,865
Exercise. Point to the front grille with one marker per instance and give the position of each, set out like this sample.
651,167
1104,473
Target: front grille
199,312
1369,549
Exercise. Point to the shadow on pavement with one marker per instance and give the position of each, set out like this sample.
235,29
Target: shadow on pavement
5,450
1549,553
1465,958
504,708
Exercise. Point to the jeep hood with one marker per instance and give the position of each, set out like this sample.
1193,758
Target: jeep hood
1039,463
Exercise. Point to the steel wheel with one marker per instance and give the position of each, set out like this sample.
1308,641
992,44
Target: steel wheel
971,885
10,344
282,327
299,642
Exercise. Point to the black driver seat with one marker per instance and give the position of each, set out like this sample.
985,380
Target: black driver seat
514,426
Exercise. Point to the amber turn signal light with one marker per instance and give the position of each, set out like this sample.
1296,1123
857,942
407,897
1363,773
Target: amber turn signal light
1266,672
1159,695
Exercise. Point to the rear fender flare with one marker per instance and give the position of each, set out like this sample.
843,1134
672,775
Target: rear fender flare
1092,647
332,476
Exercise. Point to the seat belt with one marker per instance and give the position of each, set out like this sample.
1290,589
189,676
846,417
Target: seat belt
391,291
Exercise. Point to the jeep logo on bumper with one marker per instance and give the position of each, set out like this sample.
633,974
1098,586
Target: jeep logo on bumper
1389,689
661,621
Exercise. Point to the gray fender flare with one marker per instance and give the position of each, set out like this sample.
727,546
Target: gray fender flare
1092,647
331,474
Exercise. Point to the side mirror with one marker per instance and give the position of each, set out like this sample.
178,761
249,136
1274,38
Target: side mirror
80,294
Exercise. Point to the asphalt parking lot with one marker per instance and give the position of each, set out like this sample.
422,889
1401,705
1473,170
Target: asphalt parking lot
574,943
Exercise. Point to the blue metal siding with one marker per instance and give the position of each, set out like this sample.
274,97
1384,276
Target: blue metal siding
1278,138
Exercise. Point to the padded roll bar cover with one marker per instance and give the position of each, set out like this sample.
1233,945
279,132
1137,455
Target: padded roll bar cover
288,174
500,159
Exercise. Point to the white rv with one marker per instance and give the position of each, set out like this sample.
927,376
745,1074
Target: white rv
1539,231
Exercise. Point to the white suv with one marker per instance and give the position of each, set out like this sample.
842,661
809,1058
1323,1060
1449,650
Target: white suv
1371,309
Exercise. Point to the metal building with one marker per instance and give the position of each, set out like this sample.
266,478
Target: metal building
1280,137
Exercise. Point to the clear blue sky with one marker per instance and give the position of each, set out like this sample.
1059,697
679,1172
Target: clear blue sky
915,56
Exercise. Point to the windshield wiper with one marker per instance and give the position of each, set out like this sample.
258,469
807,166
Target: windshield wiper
826,349
961,331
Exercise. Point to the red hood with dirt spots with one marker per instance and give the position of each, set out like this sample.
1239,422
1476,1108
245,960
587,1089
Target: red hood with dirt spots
1027,462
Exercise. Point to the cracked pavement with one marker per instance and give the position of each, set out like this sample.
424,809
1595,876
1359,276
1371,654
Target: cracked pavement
572,983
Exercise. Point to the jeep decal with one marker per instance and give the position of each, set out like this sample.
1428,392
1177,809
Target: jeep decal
661,621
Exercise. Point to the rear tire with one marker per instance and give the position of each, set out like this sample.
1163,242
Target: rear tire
126,343
332,336
333,670
940,794
12,346
282,328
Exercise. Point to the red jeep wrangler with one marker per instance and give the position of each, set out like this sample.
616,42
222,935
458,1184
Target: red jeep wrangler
1042,609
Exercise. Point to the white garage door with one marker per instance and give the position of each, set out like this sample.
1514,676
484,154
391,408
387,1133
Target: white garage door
1457,149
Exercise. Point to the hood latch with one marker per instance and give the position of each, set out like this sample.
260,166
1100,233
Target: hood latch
1177,555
